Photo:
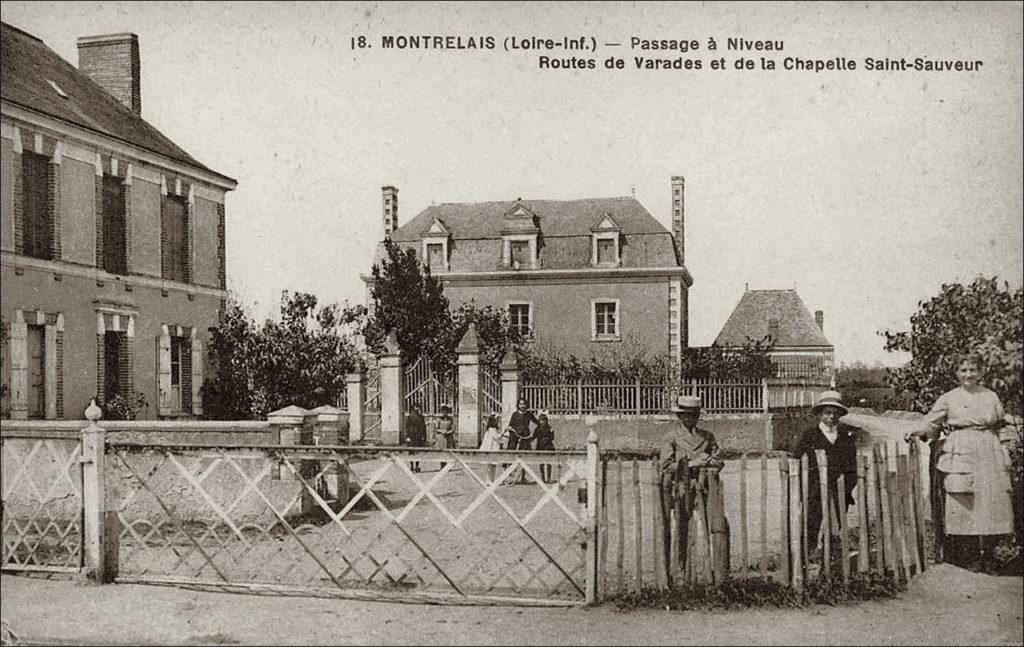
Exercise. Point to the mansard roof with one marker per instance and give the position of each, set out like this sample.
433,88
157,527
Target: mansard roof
565,231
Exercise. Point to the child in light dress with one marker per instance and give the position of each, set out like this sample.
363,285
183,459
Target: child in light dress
492,441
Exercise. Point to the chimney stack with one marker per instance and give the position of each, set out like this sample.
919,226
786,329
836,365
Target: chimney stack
819,318
677,218
112,62
390,209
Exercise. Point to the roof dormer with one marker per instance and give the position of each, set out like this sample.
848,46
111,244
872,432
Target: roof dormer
435,246
606,243
519,232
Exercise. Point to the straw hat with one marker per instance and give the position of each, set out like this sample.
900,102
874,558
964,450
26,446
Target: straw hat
687,403
830,399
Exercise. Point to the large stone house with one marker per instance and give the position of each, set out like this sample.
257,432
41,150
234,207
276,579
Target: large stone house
112,237
801,349
576,274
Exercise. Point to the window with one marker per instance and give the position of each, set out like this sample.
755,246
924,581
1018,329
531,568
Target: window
519,319
435,256
606,252
174,238
38,222
115,365
115,259
181,378
519,253
606,320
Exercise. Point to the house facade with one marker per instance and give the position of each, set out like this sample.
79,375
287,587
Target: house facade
578,275
801,349
112,253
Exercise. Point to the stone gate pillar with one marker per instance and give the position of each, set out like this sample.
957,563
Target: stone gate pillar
469,388
392,400
509,386
355,383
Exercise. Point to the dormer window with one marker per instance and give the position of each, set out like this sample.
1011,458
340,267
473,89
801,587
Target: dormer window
520,232
435,246
604,243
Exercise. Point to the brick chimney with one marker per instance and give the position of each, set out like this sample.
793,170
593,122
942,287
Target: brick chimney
390,209
112,62
819,318
677,218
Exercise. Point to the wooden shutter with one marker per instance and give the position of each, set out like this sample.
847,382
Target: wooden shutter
19,370
163,372
197,375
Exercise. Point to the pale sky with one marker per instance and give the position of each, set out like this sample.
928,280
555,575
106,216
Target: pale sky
866,190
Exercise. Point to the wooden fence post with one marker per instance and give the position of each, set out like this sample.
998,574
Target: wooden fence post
826,514
593,454
882,476
764,395
100,528
638,528
764,515
784,530
862,515
796,570
657,501
844,535
743,515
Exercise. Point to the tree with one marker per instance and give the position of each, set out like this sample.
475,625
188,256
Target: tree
301,359
981,317
492,328
408,300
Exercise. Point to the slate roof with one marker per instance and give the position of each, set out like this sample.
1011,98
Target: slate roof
750,319
29,65
565,227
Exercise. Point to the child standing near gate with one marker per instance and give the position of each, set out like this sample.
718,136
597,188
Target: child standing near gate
491,442
445,435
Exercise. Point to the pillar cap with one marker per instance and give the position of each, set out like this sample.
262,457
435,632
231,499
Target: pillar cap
327,413
470,342
290,415
509,361
391,346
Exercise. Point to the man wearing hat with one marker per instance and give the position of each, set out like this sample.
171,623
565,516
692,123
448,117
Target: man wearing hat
840,451
685,441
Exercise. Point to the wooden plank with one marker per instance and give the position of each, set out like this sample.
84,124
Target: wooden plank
863,564
844,536
638,528
658,532
686,512
717,531
882,475
764,515
603,536
675,512
743,515
919,499
795,522
909,526
620,548
876,502
784,532
805,472
826,524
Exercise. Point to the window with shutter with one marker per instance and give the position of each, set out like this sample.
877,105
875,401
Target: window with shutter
115,258
174,237
37,227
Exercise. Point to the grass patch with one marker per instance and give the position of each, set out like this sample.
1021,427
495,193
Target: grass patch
760,592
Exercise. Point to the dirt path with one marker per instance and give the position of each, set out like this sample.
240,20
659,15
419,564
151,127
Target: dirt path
946,605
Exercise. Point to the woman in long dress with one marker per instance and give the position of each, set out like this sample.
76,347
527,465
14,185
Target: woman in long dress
973,467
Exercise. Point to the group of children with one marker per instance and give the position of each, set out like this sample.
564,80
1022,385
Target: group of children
517,435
